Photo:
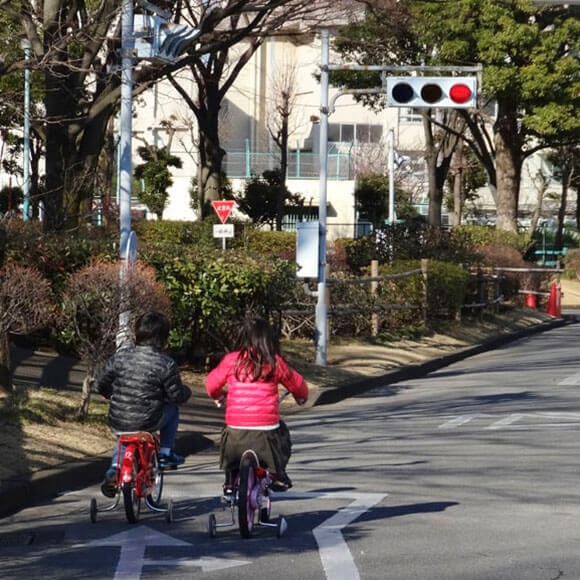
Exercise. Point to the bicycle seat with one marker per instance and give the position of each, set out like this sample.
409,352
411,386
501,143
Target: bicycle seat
140,436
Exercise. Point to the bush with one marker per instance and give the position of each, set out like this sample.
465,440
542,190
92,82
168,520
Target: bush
447,288
411,240
478,236
153,234
571,261
26,304
512,282
58,254
91,303
268,243
211,293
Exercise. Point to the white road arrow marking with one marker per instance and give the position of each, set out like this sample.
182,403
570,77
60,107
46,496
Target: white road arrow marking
571,380
133,543
335,556
206,563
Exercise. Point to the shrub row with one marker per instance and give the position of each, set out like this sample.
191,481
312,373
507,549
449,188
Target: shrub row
210,291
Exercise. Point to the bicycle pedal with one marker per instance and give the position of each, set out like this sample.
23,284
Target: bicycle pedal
168,467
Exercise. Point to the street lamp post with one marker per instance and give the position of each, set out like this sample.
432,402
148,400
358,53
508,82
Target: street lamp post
25,44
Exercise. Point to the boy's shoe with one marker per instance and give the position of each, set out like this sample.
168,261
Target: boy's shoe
170,461
109,485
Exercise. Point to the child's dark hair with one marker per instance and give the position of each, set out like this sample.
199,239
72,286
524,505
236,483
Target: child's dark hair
152,329
258,346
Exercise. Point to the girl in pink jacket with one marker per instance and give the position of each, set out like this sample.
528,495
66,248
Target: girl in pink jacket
252,375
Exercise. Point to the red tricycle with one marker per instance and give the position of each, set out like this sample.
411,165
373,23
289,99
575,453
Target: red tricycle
138,476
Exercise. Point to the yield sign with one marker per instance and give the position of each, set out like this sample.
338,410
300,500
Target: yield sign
223,209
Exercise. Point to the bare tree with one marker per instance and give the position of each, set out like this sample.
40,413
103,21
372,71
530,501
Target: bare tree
91,303
216,72
26,304
282,123
76,45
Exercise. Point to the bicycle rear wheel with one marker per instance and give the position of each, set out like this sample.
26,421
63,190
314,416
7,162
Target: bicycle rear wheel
154,498
130,498
247,494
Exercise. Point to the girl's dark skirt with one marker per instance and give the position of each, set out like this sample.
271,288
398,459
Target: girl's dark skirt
273,447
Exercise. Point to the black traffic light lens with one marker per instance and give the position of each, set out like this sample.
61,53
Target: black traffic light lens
431,93
402,92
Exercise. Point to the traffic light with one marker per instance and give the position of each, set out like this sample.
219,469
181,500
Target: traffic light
158,39
432,92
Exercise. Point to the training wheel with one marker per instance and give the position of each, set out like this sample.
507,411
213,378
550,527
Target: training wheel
169,512
211,526
93,510
281,527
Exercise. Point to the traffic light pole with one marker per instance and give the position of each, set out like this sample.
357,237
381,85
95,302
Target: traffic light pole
326,109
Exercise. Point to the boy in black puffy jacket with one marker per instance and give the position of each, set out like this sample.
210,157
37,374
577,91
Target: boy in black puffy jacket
145,389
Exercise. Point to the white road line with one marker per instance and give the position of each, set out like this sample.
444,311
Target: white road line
506,421
571,380
458,421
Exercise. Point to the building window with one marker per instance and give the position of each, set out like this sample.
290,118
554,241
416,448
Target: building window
410,116
345,133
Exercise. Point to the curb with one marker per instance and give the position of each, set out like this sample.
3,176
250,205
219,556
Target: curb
20,492
335,393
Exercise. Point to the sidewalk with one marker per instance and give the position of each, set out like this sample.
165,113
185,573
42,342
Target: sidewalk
351,369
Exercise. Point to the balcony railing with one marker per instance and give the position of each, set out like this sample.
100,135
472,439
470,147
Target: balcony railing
243,164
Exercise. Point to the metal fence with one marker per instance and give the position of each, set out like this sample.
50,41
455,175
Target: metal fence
243,164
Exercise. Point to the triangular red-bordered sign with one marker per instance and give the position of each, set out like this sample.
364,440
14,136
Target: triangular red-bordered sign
223,208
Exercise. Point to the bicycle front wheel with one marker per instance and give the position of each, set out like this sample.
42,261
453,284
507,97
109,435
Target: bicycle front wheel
248,489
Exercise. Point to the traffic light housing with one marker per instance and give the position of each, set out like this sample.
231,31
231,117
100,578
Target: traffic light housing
432,92
158,39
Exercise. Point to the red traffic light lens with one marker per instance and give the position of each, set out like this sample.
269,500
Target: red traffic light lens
431,93
402,92
460,93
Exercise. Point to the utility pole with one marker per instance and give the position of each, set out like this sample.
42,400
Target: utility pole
26,145
321,306
125,157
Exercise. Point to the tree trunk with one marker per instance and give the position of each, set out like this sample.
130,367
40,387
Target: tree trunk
6,386
88,383
431,153
458,161
566,174
210,161
283,173
508,165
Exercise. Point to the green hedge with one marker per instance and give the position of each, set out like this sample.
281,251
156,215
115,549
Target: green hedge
211,293
447,287
268,243
478,236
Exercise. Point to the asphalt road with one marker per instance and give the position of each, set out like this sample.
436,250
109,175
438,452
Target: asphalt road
469,473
